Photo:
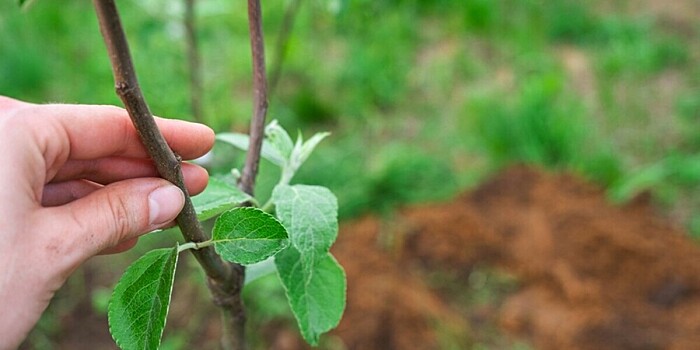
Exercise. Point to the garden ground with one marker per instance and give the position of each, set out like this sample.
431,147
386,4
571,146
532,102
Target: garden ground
530,259
575,272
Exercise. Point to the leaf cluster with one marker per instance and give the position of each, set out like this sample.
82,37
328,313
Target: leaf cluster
297,240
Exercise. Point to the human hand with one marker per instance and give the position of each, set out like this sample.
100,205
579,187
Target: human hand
77,182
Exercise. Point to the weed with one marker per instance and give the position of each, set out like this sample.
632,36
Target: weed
541,125
570,21
409,175
635,46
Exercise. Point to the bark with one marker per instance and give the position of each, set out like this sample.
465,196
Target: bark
225,280
193,62
257,123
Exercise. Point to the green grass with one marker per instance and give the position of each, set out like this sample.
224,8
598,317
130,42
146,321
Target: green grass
539,125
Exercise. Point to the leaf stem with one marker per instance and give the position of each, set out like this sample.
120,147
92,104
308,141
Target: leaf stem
194,245
189,245
268,206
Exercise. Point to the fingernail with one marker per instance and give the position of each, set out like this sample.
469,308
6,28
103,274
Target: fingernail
164,203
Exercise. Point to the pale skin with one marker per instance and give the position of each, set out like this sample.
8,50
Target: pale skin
76,182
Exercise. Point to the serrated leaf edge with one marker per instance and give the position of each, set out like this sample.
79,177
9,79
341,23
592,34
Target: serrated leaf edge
286,241
296,196
167,307
314,340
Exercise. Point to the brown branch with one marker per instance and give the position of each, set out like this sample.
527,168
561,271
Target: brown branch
225,280
193,61
282,43
257,123
167,163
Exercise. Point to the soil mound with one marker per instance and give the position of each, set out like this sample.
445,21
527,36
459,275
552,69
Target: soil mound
528,256
591,275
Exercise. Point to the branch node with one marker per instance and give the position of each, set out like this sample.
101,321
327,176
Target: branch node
123,88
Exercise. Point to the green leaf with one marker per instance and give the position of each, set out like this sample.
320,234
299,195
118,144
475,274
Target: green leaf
217,198
303,153
310,214
248,235
241,142
141,299
279,139
299,153
316,295
260,269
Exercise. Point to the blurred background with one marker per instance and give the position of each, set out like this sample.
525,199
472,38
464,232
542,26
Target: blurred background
425,99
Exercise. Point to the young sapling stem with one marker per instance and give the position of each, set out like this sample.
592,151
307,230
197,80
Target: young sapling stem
257,123
225,280
167,163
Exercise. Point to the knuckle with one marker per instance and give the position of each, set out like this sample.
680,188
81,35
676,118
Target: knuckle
120,217
78,223
128,135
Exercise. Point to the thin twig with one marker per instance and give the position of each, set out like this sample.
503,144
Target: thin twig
282,43
224,280
167,163
257,123
194,61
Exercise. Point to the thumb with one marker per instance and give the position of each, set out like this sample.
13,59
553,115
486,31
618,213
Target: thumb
116,213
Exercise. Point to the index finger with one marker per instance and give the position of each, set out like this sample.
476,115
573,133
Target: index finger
95,131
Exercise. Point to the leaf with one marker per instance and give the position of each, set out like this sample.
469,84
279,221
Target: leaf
248,235
316,295
241,141
309,146
218,197
141,299
279,139
260,269
310,214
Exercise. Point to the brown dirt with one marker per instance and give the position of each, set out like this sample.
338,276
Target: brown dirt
592,275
